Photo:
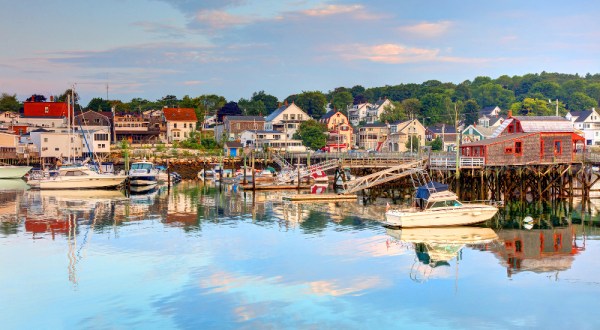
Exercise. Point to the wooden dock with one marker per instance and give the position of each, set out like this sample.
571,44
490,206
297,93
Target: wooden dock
274,187
319,198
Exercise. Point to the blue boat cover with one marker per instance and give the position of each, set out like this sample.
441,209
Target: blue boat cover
423,191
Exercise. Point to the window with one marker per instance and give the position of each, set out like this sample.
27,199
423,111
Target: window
184,125
518,148
56,149
46,110
508,150
557,147
45,139
102,145
285,116
174,125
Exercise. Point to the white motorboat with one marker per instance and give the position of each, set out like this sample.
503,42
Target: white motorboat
143,173
13,172
435,206
74,177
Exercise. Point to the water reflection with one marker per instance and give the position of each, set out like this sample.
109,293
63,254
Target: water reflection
213,256
538,250
436,247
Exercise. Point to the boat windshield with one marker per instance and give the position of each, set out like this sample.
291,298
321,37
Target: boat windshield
141,166
446,203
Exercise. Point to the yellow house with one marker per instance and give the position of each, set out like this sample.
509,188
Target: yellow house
340,131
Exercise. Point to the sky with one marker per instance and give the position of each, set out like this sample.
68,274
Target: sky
124,49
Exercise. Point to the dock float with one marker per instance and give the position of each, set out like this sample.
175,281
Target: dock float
273,187
319,198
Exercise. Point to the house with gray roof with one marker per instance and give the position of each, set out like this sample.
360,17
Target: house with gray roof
588,122
287,119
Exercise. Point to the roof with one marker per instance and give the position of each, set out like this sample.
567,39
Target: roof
264,132
494,120
329,114
448,129
581,115
180,114
277,112
375,125
544,124
487,110
502,138
244,118
40,130
485,131
233,145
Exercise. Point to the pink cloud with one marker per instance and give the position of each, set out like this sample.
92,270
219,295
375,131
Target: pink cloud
398,54
329,10
218,19
428,29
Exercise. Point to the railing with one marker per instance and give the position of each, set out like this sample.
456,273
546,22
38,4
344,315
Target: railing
449,162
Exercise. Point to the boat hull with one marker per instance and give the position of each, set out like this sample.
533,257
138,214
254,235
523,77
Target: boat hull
87,182
13,172
448,216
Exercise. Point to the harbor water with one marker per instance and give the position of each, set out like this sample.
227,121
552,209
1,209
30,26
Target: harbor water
210,256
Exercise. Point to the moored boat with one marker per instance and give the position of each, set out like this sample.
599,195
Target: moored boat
13,172
74,177
143,173
435,206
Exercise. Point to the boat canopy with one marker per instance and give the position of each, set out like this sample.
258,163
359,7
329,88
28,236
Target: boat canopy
423,191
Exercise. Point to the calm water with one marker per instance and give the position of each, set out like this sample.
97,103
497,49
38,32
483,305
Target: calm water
208,257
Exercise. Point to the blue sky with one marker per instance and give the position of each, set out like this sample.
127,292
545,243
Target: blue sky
152,48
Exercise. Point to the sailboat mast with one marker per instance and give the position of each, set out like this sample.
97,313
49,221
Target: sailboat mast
69,125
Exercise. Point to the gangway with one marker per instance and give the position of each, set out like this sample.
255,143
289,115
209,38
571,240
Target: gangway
415,169
289,175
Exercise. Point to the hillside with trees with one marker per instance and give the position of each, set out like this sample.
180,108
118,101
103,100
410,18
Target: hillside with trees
433,100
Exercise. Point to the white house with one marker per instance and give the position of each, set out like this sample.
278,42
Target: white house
181,122
358,113
287,119
375,110
271,140
587,121
95,141
250,137
56,144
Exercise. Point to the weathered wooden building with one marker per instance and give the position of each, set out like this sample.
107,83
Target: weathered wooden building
524,140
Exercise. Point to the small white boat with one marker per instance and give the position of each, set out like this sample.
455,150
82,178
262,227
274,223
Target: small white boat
143,173
13,172
435,206
74,177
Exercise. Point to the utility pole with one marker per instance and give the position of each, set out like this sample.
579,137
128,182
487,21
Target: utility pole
457,144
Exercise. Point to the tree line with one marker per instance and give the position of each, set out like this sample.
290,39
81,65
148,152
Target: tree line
432,101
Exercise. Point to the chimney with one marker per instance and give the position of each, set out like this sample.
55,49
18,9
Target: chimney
509,113
51,98
286,103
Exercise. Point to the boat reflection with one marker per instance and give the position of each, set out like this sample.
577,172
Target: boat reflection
435,247
538,250
13,184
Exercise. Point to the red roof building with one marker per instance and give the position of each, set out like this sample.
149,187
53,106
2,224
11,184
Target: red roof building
181,122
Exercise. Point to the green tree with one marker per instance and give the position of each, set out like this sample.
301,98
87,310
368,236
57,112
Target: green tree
270,102
580,101
435,106
9,103
64,96
392,113
341,100
412,142
252,107
492,94
313,103
437,144
312,134
412,107
471,111
532,107
98,104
